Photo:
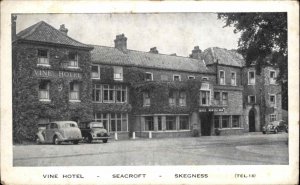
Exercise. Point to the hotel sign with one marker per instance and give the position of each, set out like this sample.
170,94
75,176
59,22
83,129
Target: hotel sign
211,109
57,74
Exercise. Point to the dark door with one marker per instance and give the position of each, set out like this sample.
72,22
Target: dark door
205,124
251,121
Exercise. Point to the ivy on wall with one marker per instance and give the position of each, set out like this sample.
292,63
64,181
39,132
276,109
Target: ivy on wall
27,109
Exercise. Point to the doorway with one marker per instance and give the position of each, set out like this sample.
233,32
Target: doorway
205,119
252,120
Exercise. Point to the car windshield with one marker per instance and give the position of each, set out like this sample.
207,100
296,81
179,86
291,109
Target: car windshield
67,125
96,125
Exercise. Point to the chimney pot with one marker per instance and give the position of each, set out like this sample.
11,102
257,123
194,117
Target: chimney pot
153,50
196,53
63,29
121,42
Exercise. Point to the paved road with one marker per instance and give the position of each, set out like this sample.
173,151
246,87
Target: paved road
251,149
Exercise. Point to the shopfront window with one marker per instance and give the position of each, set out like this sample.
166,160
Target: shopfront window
149,123
225,121
235,121
104,118
170,123
184,122
217,121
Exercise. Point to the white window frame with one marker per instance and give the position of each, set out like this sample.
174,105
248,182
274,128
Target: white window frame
101,92
108,90
172,100
178,76
209,99
205,78
148,125
272,80
74,100
116,78
146,101
233,72
272,117
151,76
188,122
221,98
249,98
98,76
123,90
191,77
249,82
75,61
39,63
239,121
45,91
220,82
182,100
270,103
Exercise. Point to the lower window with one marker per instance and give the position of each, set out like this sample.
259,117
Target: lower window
184,122
170,123
113,122
149,123
217,121
272,117
235,121
225,121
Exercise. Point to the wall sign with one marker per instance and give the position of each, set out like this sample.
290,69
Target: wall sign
219,109
56,74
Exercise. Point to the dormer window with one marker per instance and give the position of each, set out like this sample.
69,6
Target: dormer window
118,73
43,58
149,76
95,72
73,60
222,77
176,78
272,77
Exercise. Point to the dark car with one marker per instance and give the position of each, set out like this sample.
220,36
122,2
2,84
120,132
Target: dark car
275,127
58,132
93,130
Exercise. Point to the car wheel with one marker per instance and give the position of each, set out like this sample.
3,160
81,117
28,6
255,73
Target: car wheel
89,139
104,140
75,142
56,141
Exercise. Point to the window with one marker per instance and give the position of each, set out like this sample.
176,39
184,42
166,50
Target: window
121,94
182,98
102,118
272,117
74,91
204,78
225,121
222,77
95,74
235,121
53,126
184,122
43,57
146,98
44,87
217,121
224,98
170,123
272,99
217,98
108,93
115,122
191,77
118,73
159,126
73,60
172,100
233,78
176,78
251,99
204,98
251,77
149,123
272,77
97,93
149,76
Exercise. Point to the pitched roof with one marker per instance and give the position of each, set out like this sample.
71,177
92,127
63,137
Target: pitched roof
110,55
43,32
224,56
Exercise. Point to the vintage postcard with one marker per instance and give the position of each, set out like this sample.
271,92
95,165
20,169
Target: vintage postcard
149,92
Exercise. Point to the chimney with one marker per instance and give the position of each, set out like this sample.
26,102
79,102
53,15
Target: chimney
63,29
121,42
13,27
196,53
153,50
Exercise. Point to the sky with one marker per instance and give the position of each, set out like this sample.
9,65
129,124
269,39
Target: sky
169,32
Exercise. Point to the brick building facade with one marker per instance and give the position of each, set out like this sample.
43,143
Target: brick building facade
146,93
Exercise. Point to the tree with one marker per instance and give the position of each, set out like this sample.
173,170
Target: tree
263,41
